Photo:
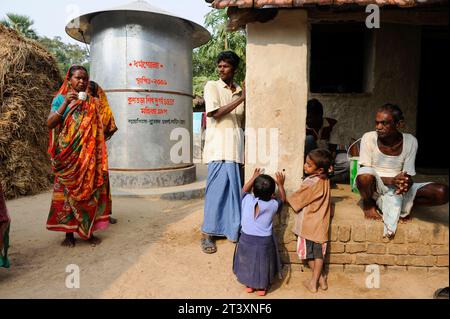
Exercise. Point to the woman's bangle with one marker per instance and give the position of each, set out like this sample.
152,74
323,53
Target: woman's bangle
59,113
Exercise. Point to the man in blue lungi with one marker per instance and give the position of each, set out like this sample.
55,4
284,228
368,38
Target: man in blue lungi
224,153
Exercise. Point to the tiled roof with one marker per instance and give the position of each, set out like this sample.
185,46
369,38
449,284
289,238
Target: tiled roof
220,4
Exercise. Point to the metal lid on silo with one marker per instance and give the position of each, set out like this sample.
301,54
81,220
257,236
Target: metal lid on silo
80,28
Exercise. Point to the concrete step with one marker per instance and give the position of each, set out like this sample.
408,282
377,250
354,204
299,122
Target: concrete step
182,192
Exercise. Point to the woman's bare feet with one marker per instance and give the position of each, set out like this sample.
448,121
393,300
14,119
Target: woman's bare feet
69,241
94,241
323,282
310,286
112,220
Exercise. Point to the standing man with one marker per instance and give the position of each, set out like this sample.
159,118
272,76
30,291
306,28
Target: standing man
384,180
224,153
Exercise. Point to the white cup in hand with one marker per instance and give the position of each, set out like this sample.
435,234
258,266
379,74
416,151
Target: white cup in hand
82,96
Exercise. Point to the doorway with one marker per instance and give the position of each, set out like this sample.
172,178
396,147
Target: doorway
432,124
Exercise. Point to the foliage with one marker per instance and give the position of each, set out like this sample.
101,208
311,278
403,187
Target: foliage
204,58
21,24
66,54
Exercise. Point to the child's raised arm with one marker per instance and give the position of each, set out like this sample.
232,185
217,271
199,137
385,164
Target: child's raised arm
249,185
279,179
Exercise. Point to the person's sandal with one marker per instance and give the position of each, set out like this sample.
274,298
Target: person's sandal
208,246
441,293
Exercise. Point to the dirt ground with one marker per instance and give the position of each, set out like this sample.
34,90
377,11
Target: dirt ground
153,252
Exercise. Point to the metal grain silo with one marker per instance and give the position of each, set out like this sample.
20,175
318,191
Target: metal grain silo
142,57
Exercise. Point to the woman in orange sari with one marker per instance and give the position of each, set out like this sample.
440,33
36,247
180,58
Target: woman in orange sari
81,200
109,125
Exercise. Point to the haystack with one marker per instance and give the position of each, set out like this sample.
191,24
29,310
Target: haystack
29,78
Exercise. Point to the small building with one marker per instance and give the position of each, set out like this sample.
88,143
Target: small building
323,49
337,52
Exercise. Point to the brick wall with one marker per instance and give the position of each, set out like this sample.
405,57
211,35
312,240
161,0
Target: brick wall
418,246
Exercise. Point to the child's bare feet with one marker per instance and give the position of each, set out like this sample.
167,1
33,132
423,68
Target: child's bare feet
261,292
323,282
69,241
310,286
249,289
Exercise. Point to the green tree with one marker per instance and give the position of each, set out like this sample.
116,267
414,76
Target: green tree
20,23
66,54
204,58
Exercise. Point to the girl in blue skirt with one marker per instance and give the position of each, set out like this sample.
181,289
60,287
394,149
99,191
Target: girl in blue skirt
256,259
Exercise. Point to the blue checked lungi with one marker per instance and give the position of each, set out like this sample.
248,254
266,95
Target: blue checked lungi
222,212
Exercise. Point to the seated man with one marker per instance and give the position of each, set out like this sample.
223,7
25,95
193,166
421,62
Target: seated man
387,163
319,134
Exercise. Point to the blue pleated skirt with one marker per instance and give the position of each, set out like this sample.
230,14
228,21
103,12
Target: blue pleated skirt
256,261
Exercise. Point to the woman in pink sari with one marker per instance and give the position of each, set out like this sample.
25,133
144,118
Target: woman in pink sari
4,231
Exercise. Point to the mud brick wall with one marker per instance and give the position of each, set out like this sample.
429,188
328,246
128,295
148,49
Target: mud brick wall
418,246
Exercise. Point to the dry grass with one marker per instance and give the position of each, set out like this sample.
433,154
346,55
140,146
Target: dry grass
29,78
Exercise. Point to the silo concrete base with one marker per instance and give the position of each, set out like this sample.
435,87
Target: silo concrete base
195,190
152,179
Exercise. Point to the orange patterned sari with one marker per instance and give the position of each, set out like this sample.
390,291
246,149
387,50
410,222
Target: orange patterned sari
81,200
109,125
